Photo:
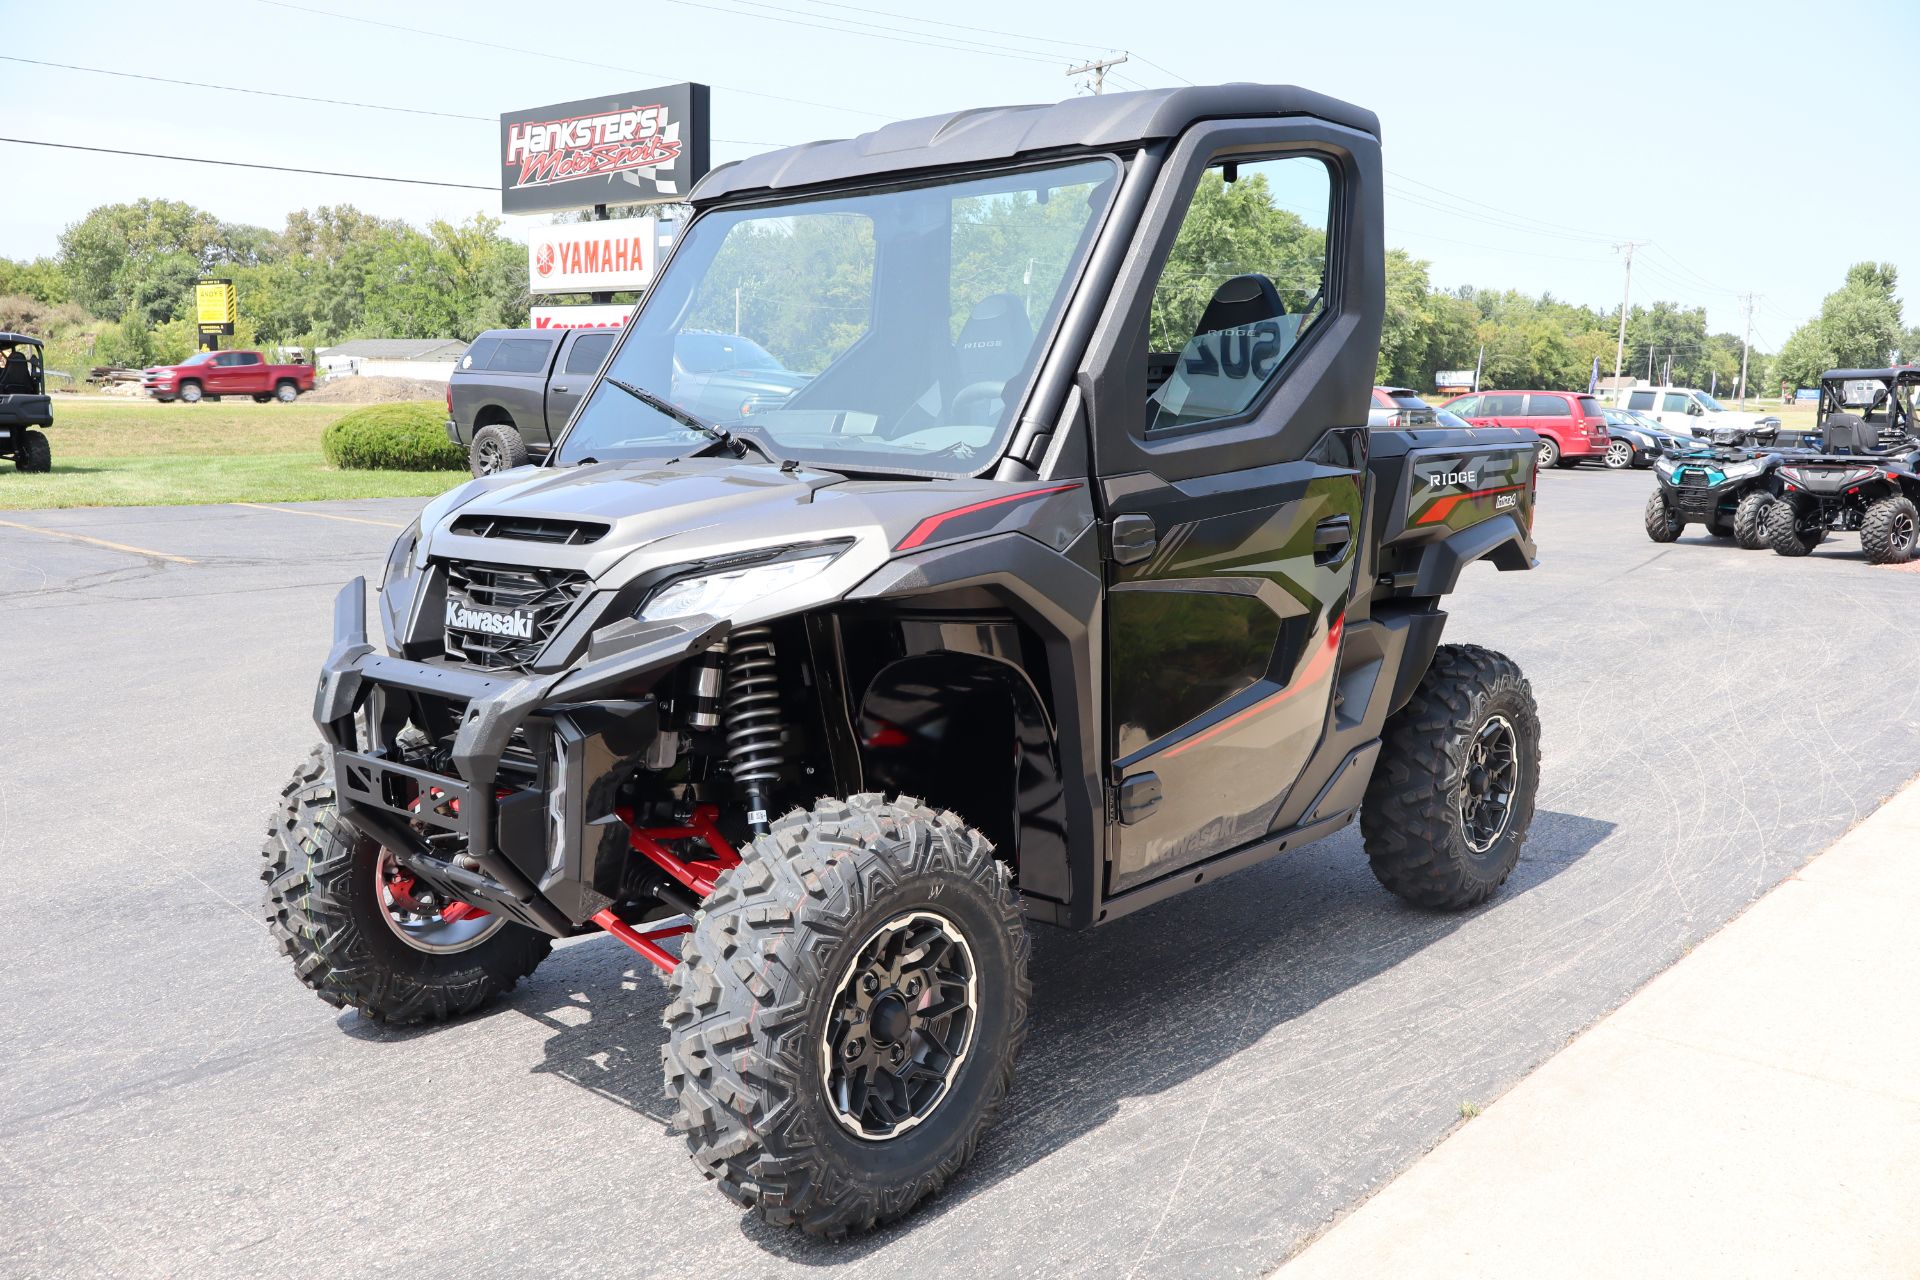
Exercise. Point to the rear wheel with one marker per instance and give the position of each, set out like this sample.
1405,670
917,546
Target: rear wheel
846,1014
361,934
32,453
1549,453
286,392
1452,796
1619,455
1787,531
1887,531
1663,522
497,448
1750,520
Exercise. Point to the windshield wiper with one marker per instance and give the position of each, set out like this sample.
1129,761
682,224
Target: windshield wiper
735,445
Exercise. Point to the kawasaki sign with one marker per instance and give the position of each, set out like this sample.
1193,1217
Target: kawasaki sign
628,149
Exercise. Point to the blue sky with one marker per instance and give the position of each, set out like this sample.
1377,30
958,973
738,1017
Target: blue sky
1521,139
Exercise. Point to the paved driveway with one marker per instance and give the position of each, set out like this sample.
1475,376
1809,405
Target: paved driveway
1206,1083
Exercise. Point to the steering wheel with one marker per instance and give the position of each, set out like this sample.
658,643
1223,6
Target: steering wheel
981,391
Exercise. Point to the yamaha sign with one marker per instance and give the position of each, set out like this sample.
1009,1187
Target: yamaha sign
593,257
629,149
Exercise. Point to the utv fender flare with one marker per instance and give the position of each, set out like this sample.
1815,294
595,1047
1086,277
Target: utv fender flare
1500,539
1059,596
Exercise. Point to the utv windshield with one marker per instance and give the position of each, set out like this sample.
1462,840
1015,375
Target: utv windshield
891,330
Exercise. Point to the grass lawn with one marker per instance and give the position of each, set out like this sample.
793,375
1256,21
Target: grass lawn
143,453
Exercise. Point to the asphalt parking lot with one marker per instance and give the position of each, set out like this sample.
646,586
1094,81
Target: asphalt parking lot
1206,1085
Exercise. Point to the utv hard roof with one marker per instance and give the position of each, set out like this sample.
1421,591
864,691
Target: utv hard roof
987,134
1905,372
15,339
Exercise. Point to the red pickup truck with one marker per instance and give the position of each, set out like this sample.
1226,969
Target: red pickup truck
208,375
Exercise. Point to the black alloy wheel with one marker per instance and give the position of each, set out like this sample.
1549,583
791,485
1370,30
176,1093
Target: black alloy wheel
1487,787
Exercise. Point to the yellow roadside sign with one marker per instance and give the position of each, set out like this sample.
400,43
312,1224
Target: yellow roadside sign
216,306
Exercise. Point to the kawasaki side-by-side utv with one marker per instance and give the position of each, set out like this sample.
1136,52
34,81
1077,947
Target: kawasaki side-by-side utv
24,405
1865,475
1069,577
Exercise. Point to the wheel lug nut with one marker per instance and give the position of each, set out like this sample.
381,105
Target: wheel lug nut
898,1053
913,988
870,984
854,1046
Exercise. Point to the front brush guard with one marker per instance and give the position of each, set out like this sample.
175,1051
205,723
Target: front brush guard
593,713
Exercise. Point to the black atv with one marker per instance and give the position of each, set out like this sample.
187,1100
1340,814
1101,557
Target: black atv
24,404
1864,475
1070,578
1728,487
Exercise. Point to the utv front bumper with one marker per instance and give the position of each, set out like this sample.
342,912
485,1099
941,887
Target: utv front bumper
526,844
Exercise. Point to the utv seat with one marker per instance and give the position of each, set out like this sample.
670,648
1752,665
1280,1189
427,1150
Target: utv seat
1204,384
993,348
1849,433
15,377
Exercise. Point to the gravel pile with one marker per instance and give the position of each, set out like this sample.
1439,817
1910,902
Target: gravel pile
365,390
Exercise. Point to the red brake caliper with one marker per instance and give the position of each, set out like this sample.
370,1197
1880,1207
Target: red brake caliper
699,877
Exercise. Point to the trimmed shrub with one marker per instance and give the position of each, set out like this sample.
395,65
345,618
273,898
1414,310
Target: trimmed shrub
393,437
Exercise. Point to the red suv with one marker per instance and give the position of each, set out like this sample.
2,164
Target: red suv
1570,424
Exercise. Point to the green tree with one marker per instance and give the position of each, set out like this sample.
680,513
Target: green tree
42,280
139,257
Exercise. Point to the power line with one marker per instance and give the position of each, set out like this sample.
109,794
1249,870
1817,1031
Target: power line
522,51
243,164
231,88
1146,61
958,26
1455,196
851,28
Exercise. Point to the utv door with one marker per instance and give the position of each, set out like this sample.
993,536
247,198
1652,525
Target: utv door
1229,390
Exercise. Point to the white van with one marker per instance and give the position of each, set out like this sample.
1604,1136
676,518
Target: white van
1690,411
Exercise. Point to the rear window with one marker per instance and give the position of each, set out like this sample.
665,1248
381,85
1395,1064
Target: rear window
589,352
1548,407
1590,408
1640,401
521,355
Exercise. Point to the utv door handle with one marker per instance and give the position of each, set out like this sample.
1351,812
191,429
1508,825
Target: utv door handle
1131,538
1330,538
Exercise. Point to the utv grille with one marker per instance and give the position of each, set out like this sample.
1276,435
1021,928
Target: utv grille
546,594
1693,478
572,533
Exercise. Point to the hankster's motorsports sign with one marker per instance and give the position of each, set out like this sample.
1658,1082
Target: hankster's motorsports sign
628,149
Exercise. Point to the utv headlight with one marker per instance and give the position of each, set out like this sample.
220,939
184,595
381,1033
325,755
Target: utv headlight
400,560
1741,470
1664,466
724,592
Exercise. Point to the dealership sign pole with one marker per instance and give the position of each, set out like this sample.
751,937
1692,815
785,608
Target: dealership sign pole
646,147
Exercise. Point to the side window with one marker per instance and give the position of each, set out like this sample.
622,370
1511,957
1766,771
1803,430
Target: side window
1674,403
246,357
1548,407
1640,401
521,355
480,352
589,352
1246,279
1505,406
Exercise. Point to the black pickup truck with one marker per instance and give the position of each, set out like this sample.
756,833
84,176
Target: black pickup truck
514,390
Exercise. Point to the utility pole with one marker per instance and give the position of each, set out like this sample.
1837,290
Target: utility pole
1098,69
1746,341
1620,346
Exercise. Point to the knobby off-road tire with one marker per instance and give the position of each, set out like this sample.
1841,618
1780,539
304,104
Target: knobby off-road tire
777,951
324,909
1887,531
32,453
1750,520
1415,818
1784,533
497,448
1663,522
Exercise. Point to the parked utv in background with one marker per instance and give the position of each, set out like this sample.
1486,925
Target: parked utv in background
208,375
1071,579
1863,477
24,403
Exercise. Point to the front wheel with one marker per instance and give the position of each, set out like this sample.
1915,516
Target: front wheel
1663,522
1450,800
190,392
1750,520
362,934
844,1021
1619,455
